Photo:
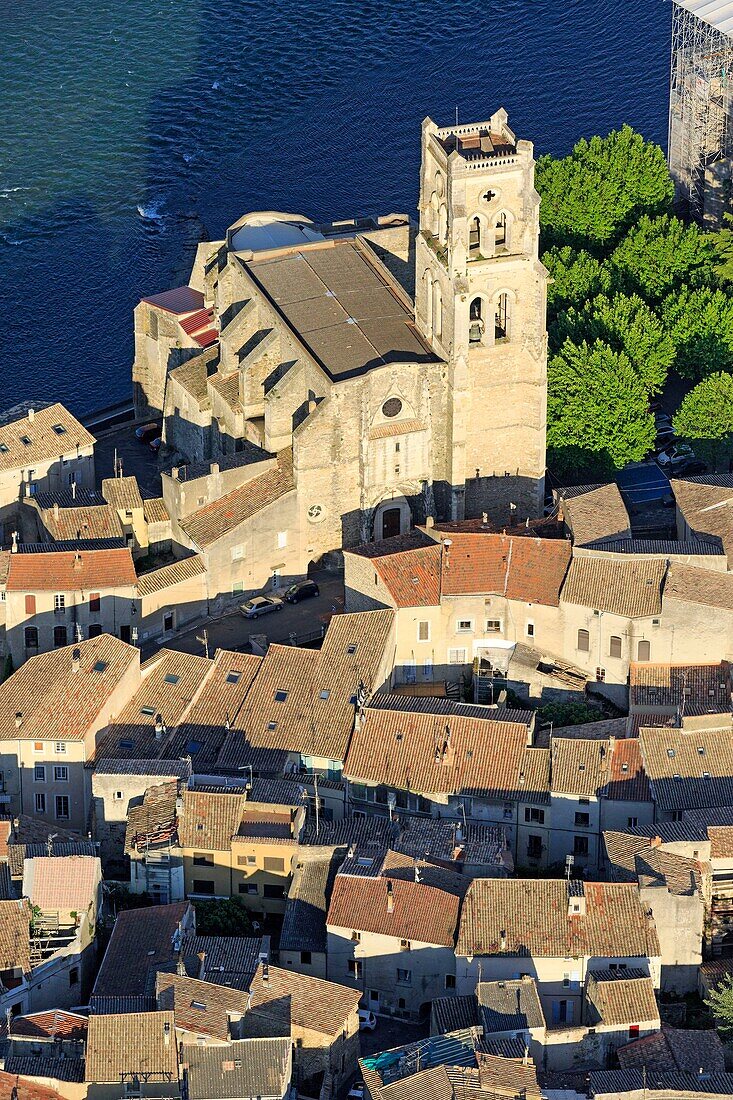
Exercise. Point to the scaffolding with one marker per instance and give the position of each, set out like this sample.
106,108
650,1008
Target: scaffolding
701,101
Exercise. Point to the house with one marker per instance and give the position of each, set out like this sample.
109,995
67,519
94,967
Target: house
74,515
695,696
675,1049
688,769
303,938
132,1052
51,710
557,931
55,597
171,596
392,939
142,942
251,1069
502,1010
41,450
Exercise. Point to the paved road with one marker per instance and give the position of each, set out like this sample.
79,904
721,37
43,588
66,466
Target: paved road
136,458
232,630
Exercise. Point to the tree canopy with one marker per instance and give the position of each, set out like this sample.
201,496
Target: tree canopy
720,1003
575,277
660,254
700,324
597,409
706,417
600,190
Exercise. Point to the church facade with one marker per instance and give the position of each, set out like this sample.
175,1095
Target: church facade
323,386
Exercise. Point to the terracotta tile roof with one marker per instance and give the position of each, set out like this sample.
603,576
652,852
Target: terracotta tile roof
688,768
155,511
534,775
168,575
203,732
57,702
217,519
153,821
54,1024
298,1001
412,576
527,569
192,376
579,767
628,588
304,923
454,1014
81,523
674,1048
426,1084
170,682
51,1067
13,1087
400,427
209,821
15,919
596,516
679,874
200,1007
621,999
182,299
69,883
316,715
701,586
407,750
721,841
131,1043
227,386
533,914
122,493
699,688
627,780
509,1005
71,571
141,942
230,961
707,507
421,913
245,1070
45,442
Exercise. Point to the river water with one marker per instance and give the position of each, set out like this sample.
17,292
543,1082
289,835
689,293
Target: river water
129,131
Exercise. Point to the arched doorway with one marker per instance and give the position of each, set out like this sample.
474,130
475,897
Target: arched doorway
392,517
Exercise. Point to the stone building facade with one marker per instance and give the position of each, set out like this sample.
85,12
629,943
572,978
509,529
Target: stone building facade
301,344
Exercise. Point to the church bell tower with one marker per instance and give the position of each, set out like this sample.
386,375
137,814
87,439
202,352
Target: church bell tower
480,299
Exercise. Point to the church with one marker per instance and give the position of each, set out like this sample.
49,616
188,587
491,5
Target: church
322,386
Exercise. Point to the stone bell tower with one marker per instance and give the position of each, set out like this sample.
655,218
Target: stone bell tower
480,299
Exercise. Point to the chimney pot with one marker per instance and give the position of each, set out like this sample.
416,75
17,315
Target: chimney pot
55,509
75,659
214,468
31,415
18,719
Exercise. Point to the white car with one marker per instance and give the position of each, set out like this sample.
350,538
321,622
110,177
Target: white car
367,1020
260,605
675,454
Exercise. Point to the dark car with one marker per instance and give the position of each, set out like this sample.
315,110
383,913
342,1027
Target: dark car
690,467
146,432
155,444
301,590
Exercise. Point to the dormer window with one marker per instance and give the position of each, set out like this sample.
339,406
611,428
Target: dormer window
280,695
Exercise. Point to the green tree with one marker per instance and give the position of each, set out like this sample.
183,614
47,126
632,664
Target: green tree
575,277
594,195
722,242
223,917
660,254
597,410
700,324
720,1003
626,324
705,417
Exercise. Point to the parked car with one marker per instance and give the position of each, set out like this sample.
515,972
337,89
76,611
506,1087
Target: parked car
367,1020
662,419
260,605
146,432
156,444
674,454
356,1092
689,466
301,590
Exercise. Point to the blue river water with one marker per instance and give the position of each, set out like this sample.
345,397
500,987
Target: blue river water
130,131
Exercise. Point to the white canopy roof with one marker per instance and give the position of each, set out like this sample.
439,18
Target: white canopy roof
718,13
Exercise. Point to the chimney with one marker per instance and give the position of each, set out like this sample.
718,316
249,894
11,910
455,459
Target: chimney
502,939
484,517
31,415
75,659
159,727
312,405
18,719
214,468
73,490
14,547
55,509
174,473
430,521
390,896
266,973
655,842
77,560
166,1033
202,965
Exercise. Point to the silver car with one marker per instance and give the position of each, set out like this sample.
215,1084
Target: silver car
260,605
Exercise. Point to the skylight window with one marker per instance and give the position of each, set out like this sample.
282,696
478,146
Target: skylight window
272,725
26,440
624,767
59,429
706,775
172,678
150,711
280,695
325,694
4,448
100,666
234,677
193,747
199,1005
351,650
700,750
670,754
126,743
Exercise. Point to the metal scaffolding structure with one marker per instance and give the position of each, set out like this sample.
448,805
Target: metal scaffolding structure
701,97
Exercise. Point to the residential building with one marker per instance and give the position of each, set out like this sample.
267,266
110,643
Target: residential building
51,711
557,931
59,597
132,1052
393,939
251,1069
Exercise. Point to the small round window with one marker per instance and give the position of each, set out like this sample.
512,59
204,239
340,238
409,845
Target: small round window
392,407
315,513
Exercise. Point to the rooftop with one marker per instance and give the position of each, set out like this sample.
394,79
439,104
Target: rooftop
630,588
65,883
140,1043
342,304
621,998
142,941
44,435
697,689
394,907
244,1070
595,514
283,1000
71,571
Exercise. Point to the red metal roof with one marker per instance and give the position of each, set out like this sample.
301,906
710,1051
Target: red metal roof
205,339
183,299
202,318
